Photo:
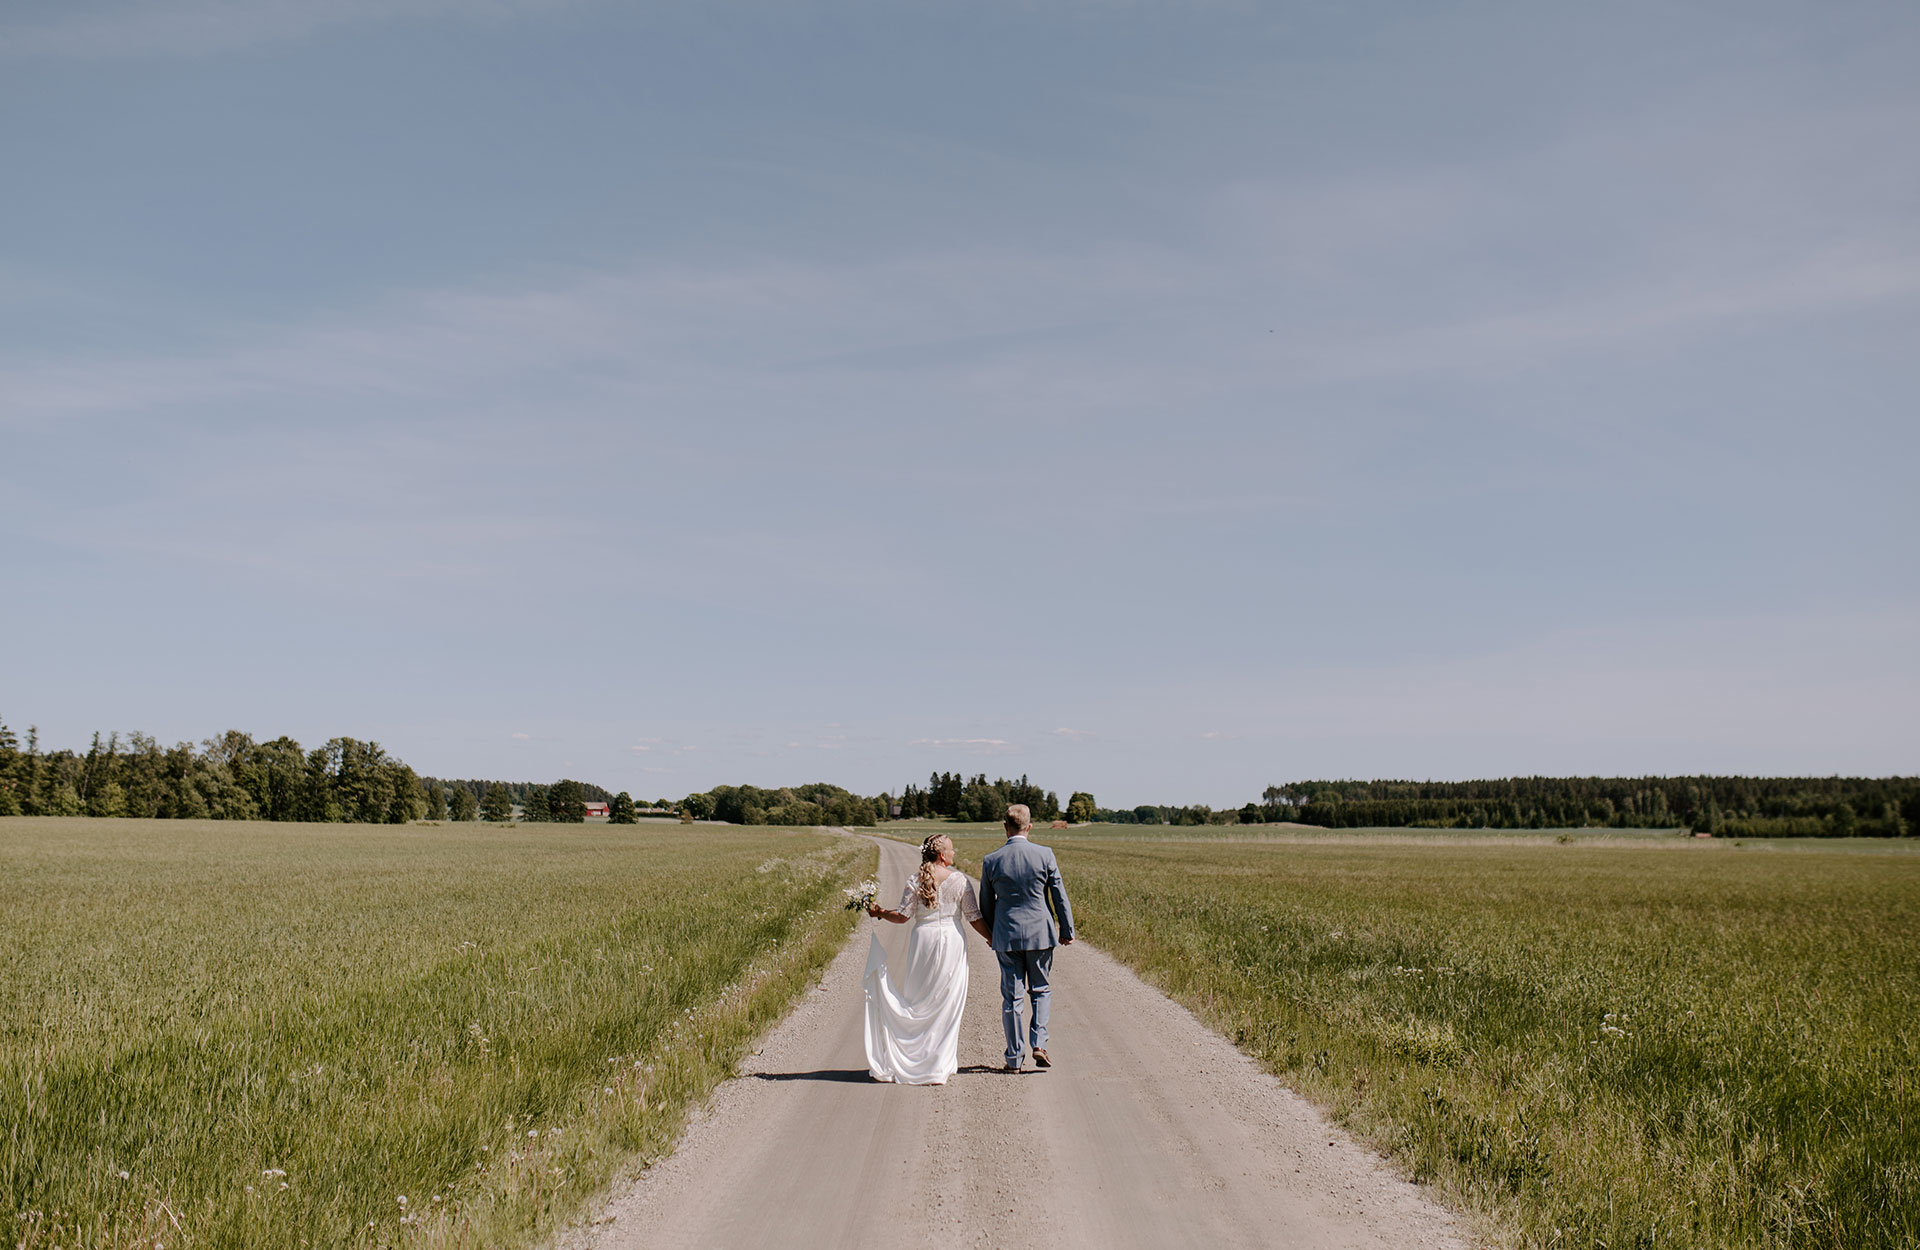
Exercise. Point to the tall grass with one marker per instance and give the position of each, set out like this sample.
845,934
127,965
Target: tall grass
1605,1044
219,1034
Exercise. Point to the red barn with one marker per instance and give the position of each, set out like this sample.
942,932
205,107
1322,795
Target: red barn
595,809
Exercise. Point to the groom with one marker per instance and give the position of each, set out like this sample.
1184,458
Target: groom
1016,883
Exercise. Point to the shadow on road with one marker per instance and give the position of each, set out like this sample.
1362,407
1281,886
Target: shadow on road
825,1074
859,1076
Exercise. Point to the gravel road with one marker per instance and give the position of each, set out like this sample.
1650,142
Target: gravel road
1150,1131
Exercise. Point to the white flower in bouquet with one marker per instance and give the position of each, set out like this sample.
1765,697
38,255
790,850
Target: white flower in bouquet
860,897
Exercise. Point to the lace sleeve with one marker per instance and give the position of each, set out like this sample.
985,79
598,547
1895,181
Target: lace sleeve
907,899
969,901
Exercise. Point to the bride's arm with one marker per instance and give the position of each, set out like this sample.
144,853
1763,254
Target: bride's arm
970,908
897,917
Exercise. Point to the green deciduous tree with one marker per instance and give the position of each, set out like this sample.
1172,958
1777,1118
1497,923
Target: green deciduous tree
566,802
620,810
65,801
1081,807
462,806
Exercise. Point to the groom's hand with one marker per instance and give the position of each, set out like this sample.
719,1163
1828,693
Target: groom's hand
1066,941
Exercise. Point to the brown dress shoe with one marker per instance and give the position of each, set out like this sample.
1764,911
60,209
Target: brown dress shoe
1040,1059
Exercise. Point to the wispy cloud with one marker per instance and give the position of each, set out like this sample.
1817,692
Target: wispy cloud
717,341
1074,735
664,746
176,28
968,746
653,333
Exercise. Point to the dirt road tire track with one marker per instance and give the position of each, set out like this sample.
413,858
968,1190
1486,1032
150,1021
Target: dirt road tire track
1151,1131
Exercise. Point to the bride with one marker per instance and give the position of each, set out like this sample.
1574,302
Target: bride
913,1017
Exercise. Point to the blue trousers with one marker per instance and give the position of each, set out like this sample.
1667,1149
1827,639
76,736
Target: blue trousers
1025,974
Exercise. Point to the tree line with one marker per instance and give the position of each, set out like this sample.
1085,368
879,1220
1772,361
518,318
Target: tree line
516,790
976,798
1162,814
1754,807
229,777
562,802
236,777
818,803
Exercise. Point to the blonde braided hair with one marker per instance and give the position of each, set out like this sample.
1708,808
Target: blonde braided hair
925,888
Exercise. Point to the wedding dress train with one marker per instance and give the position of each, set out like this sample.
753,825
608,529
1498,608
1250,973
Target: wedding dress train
913,1012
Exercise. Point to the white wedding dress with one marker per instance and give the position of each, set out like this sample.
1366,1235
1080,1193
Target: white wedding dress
913,1012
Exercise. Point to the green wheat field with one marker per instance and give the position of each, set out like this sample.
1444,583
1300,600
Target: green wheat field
225,1034
235,1034
1585,1040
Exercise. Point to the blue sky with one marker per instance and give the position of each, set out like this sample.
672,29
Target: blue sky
1161,400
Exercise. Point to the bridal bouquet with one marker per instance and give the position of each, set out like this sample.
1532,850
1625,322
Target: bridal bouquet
860,897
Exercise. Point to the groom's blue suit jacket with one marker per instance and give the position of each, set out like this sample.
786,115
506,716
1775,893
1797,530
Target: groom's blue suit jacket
1016,883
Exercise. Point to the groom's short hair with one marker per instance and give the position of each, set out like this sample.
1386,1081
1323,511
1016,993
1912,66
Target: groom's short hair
1018,817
